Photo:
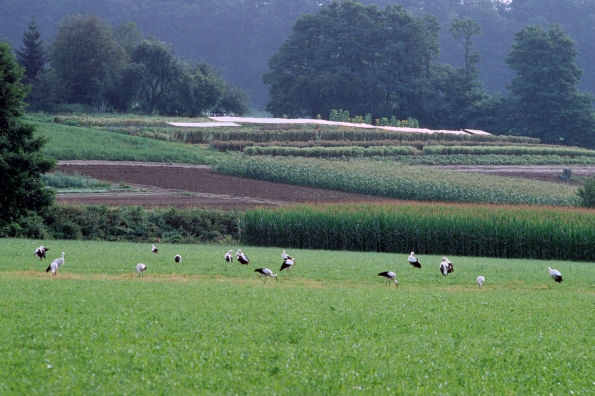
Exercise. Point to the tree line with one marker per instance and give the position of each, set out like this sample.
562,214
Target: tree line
90,65
386,63
239,36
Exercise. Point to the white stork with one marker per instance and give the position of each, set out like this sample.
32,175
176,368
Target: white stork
446,266
413,261
266,273
285,256
229,257
54,265
480,280
178,258
287,263
390,276
242,258
140,268
154,249
554,273
40,252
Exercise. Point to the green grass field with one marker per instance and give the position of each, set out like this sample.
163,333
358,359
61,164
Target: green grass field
331,326
76,143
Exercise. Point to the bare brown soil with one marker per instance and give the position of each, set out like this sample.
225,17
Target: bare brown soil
194,186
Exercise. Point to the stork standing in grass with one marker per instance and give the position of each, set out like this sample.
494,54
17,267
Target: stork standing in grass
390,276
140,268
287,263
446,266
229,257
480,280
554,273
54,265
154,249
450,267
266,273
40,252
178,258
242,258
285,256
413,261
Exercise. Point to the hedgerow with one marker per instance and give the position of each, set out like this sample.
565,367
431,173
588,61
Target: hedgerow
131,223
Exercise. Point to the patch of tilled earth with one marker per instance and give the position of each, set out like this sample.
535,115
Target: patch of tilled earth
225,192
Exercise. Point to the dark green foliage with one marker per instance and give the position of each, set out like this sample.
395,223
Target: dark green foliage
160,70
357,58
543,234
545,102
136,224
32,55
87,58
586,194
22,192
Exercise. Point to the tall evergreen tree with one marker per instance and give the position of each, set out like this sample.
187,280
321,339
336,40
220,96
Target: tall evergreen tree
32,55
544,100
22,192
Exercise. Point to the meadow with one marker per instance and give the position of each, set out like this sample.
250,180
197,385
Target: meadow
78,143
330,326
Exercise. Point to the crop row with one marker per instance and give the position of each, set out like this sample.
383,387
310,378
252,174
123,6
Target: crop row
391,179
507,150
345,151
357,151
460,230
332,133
490,159
239,145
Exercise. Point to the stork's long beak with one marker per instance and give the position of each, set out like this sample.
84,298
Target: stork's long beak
277,278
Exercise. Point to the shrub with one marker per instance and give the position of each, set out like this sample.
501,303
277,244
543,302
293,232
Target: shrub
586,194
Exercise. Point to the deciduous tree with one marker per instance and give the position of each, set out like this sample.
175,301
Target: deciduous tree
544,101
354,57
88,59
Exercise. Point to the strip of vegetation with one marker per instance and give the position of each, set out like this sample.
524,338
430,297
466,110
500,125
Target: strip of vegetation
329,152
458,230
130,223
392,179
239,145
319,132
388,151
507,150
491,159
70,143
62,180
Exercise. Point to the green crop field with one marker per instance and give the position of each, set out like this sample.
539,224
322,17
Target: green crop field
330,326
391,179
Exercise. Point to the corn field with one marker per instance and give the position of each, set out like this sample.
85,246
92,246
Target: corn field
394,180
438,229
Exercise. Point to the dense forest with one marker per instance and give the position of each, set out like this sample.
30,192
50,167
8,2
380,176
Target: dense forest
239,37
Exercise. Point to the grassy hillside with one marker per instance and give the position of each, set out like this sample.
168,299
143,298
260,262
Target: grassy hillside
69,143
329,327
